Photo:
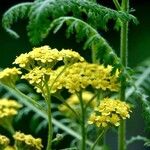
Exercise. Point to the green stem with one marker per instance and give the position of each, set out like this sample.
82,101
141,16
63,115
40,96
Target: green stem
98,138
117,4
49,114
50,129
8,126
83,129
48,101
60,98
123,55
94,58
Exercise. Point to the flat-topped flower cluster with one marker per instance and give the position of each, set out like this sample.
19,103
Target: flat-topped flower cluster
8,108
27,142
78,74
110,112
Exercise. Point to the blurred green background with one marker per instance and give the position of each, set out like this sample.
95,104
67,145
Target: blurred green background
139,48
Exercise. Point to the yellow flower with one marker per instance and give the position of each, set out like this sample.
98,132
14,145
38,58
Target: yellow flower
27,142
9,76
4,141
23,60
81,75
37,77
70,56
8,108
110,112
46,57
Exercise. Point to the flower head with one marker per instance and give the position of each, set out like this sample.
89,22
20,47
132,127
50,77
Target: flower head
9,76
46,57
27,142
81,75
8,109
4,141
110,112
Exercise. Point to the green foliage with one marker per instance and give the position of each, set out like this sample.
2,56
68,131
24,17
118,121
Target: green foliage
43,12
15,13
27,101
141,90
101,50
137,138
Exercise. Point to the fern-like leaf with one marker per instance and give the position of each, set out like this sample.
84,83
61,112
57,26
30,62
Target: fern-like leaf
100,47
141,90
43,12
142,77
15,13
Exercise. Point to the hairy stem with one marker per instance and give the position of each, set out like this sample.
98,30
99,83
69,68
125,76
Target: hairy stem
50,129
124,56
49,114
83,129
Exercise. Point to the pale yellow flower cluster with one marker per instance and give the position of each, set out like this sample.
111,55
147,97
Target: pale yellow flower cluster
37,76
76,77
46,57
110,112
9,148
27,142
73,101
9,75
4,141
81,75
8,108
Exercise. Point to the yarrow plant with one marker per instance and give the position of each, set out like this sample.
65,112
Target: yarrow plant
39,67
91,93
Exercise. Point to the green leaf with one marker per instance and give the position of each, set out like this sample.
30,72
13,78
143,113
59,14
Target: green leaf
93,40
43,12
12,15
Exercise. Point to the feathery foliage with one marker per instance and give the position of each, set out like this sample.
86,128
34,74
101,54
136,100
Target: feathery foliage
43,12
15,13
93,40
141,90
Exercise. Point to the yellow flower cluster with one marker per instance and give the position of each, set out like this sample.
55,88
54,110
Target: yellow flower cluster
9,148
27,142
46,57
81,75
76,77
4,141
37,76
110,112
8,108
9,75
73,101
